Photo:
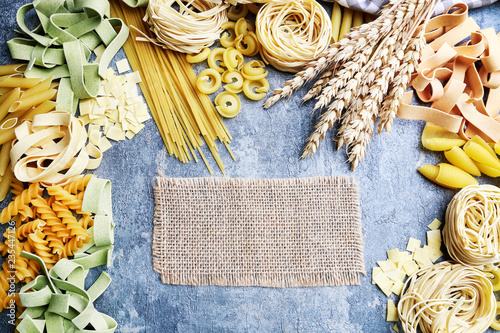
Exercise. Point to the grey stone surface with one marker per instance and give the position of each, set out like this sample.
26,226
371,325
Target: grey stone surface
396,203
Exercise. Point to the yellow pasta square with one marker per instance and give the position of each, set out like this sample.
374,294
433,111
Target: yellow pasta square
434,224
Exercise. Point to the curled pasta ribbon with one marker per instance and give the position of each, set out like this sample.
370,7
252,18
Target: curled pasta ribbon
189,28
254,70
494,277
228,104
247,44
292,33
215,56
447,175
234,81
256,90
209,81
448,77
243,27
229,35
51,149
196,58
447,297
496,322
471,232
236,12
233,59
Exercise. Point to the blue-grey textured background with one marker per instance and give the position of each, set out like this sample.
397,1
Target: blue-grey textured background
396,203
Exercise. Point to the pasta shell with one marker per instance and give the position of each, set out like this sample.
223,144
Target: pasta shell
429,171
488,171
459,158
437,138
497,147
453,177
477,139
442,144
481,154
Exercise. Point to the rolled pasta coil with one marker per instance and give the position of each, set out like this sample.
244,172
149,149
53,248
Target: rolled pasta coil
243,26
254,70
209,81
494,277
214,57
236,12
247,44
70,222
45,212
229,35
20,204
234,81
472,229
256,89
66,198
447,297
254,7
55,243
496,321
190,28
292,33
39,244
30,227
78,184
228,104
233,59
199,57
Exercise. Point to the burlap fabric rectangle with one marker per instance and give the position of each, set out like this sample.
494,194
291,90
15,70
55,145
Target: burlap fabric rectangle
258,232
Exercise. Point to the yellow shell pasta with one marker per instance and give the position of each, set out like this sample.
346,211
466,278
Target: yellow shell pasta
480,154
447,175
209,81
488,171
196,58
459,158
243,26
437,138
477,139
254,70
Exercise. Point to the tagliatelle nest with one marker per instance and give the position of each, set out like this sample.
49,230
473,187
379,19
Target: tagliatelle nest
188,29
292,33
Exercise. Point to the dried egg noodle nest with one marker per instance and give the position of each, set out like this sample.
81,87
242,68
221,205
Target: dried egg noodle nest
189,29
51,149
447,297
472,229
292,33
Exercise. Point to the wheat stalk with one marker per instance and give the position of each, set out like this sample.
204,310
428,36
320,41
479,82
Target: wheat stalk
339,52
320,83
401,82
333,113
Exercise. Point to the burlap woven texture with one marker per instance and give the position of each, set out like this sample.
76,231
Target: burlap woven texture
266,232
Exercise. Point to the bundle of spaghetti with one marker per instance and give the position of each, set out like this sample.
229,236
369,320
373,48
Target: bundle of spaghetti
292,33
472,229
196,24
183,114
447,297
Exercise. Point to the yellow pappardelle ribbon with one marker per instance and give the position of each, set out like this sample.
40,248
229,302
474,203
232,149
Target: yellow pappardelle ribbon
448,77
52,149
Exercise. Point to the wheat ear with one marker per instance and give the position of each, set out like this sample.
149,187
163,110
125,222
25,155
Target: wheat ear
320,83
339,52
401,82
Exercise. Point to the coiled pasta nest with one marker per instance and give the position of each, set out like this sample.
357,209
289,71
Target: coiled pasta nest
292,33
447,297
472,229
186,26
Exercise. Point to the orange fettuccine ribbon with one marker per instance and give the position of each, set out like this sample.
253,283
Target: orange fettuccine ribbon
449,79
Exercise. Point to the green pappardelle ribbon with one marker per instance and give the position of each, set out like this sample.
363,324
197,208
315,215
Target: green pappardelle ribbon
61,46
